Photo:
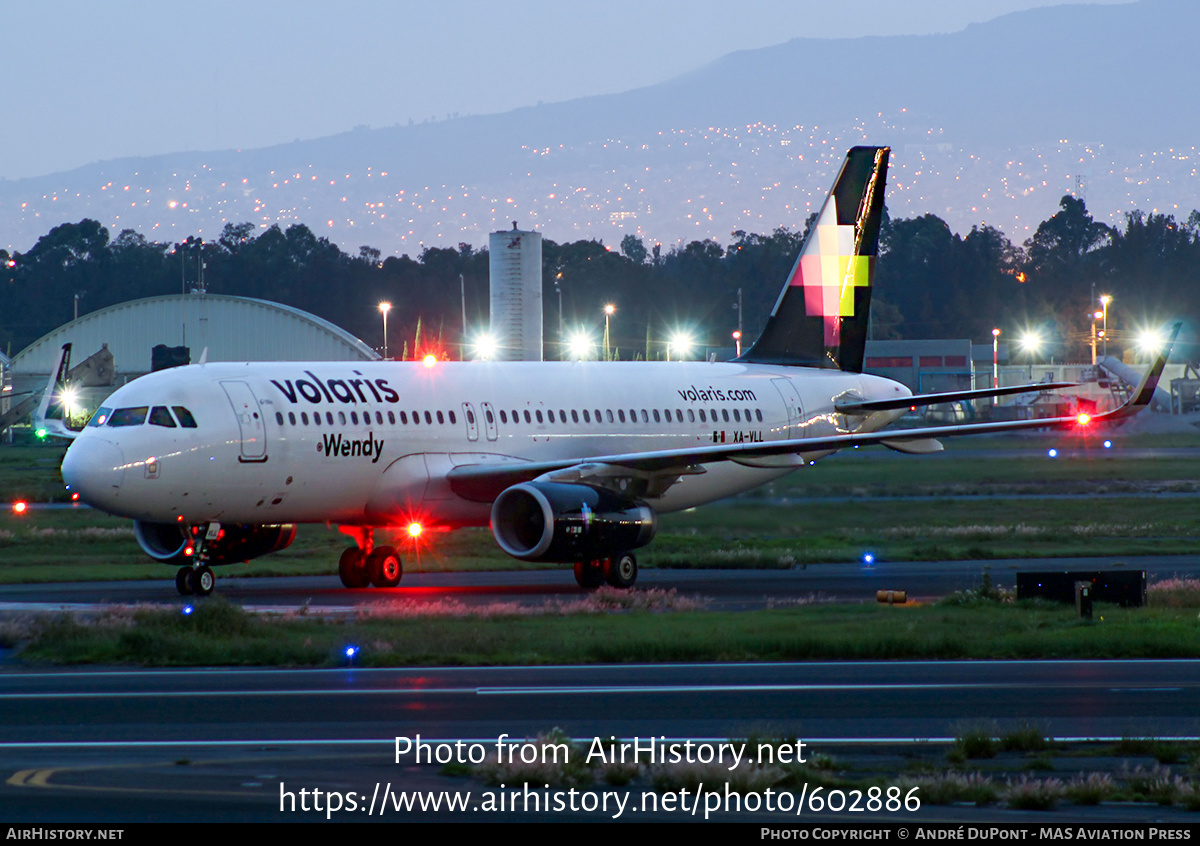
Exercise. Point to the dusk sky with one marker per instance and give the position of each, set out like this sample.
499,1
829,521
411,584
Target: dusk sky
82,81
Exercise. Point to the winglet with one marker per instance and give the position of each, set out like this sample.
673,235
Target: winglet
1143,395
49,416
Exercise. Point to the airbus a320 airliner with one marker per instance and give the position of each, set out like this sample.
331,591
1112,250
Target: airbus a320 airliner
566,461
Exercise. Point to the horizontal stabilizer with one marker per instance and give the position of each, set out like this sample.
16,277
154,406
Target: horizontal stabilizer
918,400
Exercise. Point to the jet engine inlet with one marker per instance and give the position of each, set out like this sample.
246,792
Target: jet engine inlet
552,521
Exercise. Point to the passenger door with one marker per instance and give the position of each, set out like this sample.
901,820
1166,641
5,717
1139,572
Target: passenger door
251,426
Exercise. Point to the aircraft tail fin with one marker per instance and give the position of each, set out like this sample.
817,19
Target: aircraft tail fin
820,318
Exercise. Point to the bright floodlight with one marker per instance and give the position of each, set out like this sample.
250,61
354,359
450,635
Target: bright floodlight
484,347
1031,342
682,344
1150,341
69,399
609,309
580,346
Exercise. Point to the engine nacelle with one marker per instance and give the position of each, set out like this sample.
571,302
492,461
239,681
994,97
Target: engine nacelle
553,521
168,542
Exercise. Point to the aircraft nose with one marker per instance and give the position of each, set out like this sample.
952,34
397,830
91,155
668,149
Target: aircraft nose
94,468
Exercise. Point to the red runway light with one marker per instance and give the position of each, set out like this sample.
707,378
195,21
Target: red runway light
20,506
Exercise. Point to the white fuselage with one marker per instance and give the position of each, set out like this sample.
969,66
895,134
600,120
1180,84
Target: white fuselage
370,443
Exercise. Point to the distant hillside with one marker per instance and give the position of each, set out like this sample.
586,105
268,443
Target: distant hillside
991,124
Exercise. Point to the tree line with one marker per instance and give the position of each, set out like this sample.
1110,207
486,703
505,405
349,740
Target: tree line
931,282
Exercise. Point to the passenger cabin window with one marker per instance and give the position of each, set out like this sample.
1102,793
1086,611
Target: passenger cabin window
129,416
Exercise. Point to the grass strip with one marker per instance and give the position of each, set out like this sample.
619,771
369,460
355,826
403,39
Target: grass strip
220,633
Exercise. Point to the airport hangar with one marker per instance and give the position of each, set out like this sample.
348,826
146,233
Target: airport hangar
230,328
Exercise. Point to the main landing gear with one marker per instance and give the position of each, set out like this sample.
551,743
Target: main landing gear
365,563
199,580
620,572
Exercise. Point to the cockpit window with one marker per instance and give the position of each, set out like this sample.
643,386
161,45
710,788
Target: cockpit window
186,420
100,417
129,416
159,416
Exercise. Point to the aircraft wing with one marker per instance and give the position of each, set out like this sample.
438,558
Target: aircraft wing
660,468
866,406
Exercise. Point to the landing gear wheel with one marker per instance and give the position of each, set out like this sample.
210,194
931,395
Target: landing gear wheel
183,581
353,569
621,572
589,574
384,568
203,580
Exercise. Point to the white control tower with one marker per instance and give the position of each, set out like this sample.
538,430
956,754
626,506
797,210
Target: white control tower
515,273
